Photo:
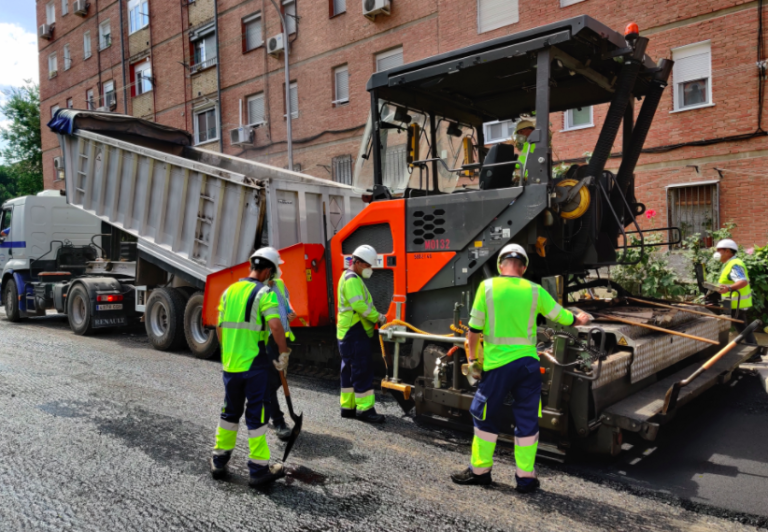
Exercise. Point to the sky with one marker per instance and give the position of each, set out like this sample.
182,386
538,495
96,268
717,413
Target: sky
18,40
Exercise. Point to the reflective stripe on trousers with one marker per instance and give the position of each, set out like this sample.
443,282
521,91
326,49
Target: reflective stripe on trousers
364,401
483,447
348,398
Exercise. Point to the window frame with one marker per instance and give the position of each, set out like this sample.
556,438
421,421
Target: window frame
336,100
50,13
332,8
294,112
714,194
137,68
292,26
510,132
687,49
386,55
104,92
54,108
200,37
200,111
70,103
64,7
67,53
102,35
503,24
248,99
251,19
87,49
53,61
568,117
132,5
336,162
90,102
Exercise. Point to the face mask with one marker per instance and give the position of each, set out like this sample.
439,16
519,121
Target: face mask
717,255
278,273
520,141
367,273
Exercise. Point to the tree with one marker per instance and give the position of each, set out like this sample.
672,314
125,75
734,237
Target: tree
23,153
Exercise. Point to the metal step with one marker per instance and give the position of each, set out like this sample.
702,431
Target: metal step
637,412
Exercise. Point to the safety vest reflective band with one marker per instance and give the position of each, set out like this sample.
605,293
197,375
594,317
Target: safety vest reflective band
741,298
528,149
505,309
355,305
244,309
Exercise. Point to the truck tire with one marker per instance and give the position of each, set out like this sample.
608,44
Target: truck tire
11,301
79,311
203,343
164,319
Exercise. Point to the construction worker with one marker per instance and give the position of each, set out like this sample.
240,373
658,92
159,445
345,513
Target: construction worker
247,313
354,329
523,130
505,311
287,315
734,282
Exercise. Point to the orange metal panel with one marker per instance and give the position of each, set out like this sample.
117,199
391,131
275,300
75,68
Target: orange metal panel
390,212
424,266
215,285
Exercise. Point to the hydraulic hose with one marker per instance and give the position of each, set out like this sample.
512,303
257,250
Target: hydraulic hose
404,324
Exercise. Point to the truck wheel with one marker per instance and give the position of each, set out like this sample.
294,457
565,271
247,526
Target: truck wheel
79,311
164,319
203,343
11,300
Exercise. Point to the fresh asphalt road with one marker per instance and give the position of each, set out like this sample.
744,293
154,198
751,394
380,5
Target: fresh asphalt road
104,433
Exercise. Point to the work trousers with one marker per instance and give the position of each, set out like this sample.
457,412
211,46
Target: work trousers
247,391
742,315
356,370
522,379
275,414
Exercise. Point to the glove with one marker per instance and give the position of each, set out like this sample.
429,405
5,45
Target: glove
281,364
475,369
382,319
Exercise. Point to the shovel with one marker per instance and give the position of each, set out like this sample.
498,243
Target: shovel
670,401
297,420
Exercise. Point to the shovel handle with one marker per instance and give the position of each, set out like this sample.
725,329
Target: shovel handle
749,329
286,391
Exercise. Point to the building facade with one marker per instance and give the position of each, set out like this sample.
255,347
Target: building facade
210,67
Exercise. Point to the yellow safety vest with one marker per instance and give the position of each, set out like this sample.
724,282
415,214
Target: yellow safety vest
742,298
355,305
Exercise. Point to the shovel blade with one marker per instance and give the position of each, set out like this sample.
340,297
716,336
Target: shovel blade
670,400
297,420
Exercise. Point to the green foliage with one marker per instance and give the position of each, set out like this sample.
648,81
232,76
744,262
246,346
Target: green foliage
651,276
22,173
757,269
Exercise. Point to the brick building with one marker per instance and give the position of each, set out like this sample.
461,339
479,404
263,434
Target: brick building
178,63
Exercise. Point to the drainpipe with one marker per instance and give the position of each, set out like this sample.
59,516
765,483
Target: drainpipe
218,74
122,57
289,133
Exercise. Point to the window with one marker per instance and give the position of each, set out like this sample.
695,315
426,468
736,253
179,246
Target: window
54,109
694,208
138,15
341,85
204,48
692,75
493,14
52,65
256,109
64,7
5,222
289,11
50,13
294,100
252,35
566,3
205,126
70,104
109,95
390,59
578,118
337,7
142,73
67,58
342,169
495,132
90,102
105,35
86,45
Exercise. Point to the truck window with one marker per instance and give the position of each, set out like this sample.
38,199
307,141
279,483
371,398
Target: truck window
5,223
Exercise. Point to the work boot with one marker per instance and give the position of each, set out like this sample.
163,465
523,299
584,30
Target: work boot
348,414
468,478
530,486
282,431
217,472
275,471
370,416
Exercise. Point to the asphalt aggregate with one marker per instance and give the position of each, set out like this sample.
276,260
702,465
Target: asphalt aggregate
103,433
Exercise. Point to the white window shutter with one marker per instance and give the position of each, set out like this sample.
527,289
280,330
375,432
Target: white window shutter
493,14
692,63
339,6
294,100
566,3
342,84
253,34
256,110
389,60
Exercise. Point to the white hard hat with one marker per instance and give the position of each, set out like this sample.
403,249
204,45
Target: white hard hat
366,254
727,243
511,251
267,254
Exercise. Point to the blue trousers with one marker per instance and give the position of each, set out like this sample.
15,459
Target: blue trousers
521,378
246,392
356,370
275,383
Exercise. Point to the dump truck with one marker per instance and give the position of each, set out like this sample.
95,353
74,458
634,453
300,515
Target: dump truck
146,218
443,204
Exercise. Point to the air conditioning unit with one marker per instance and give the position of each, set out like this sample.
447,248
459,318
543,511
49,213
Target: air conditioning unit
275,45
80,7
110,100
46,31
241,136
371,8
58,163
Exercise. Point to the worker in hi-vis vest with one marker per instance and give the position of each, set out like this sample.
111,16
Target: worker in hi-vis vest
505,312
355,322
523,130
287,315
734,285
247,313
